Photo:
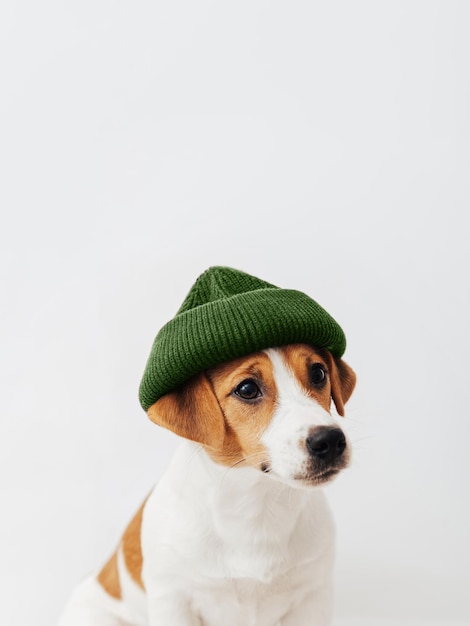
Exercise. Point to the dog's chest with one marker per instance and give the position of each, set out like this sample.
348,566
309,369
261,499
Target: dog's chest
245,602
255,581
243,552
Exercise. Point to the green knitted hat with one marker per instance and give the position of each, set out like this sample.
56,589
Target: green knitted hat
228,314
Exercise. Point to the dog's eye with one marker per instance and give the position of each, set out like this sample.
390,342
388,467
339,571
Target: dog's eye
248,390
317,374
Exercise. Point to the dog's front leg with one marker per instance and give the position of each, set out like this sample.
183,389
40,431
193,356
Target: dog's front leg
171,609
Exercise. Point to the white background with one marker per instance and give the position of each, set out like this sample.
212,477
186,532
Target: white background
322,146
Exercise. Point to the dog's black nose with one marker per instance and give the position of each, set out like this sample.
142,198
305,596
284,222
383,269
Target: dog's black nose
326,443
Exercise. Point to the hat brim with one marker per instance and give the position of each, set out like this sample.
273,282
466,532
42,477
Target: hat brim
223,330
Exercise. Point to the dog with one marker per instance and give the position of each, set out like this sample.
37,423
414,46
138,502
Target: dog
237,531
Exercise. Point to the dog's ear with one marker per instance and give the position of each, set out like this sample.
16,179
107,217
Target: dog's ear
343,381
192,411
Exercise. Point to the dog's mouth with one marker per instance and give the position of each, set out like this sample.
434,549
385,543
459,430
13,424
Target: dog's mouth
320,473
325,476
308,478
313,479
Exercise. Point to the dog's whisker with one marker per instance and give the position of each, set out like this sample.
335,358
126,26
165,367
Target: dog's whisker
256,456
363,438
362,442
236,464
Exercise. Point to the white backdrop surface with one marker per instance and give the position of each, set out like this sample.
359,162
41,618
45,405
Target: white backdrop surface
321,146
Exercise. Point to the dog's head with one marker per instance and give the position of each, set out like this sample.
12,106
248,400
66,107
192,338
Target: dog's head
270,410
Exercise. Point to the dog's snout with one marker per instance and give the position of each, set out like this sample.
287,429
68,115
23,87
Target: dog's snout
326,443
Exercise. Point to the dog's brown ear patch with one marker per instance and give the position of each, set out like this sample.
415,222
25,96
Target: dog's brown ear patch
343,381
193,412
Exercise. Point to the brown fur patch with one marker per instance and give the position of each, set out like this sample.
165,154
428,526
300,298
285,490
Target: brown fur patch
245,421
109,578
343,381
192,411
132,548
299,358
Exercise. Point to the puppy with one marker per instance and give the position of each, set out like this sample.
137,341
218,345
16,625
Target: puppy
237,531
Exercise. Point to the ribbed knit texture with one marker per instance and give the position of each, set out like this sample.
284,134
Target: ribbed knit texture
228,314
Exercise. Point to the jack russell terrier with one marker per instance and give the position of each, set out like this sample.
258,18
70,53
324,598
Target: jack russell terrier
237,531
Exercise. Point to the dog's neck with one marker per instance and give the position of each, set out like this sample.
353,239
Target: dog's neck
246,511
245,497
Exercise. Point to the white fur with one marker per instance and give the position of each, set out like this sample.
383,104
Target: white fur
231,546
295,416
